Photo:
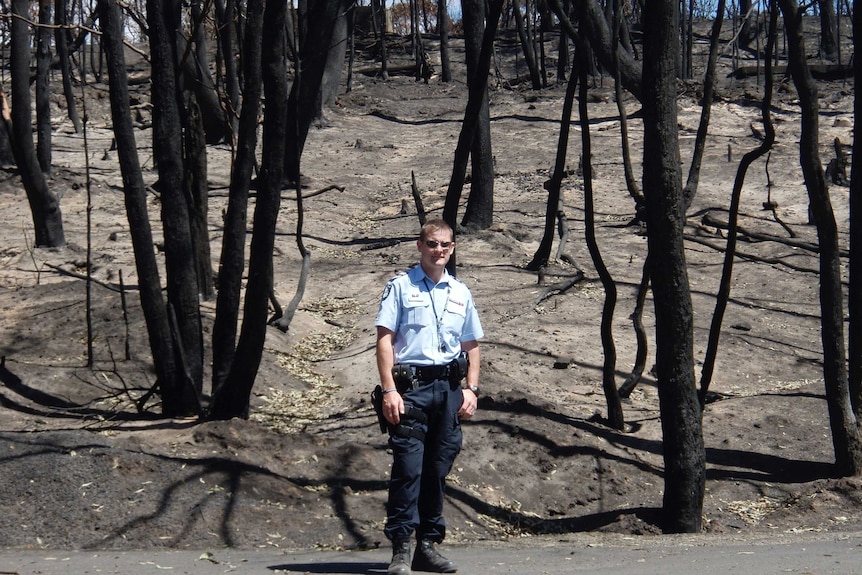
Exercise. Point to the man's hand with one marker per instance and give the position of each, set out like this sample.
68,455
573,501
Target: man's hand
393,407
469,405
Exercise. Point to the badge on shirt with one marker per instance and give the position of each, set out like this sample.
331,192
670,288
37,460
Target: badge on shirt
416,298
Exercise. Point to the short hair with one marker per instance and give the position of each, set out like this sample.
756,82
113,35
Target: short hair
436,225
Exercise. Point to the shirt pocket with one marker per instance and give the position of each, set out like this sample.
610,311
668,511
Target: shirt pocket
417,311
453,320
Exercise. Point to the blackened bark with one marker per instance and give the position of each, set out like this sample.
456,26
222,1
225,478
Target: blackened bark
316,28
61,42
828,30
44,204
479,213
232,260
846,438
43,88
616,419
855,306
197,189
554,185
705,109
227,38
596,28
527,47
378,9
747,31
198,79
723,295
476,95
684,456
443,31
233,401
163,18
135,195
334,62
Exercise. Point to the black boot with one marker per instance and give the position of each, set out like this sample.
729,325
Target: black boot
400,558
427,558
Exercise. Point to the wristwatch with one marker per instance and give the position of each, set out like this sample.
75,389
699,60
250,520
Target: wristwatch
474,389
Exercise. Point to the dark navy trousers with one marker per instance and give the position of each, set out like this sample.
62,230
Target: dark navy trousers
419,468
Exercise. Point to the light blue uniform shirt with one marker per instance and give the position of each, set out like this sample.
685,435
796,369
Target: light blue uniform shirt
429,321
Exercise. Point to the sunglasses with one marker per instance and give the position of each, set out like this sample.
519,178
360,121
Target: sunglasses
433,244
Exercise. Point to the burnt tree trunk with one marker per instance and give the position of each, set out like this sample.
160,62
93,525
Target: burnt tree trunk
616,419
44,204
855,305
723,295
227,38
318,24
527,47
443,31
846,438
234,397
477,91
232,260
43,87
197,190
705,109
163,17
682,434
479,213
61,42
135,195
555,183
334,63
829,47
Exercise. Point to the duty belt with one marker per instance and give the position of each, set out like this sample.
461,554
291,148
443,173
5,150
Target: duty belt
428,373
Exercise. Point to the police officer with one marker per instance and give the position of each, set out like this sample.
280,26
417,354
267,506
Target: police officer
427,321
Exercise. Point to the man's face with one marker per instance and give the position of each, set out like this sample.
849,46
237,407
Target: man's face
435,249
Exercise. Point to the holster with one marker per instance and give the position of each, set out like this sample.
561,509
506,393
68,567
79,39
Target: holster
377,403
401,429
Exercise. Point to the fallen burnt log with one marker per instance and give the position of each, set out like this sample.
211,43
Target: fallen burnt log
818,71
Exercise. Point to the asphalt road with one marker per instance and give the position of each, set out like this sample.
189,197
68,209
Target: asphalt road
808,554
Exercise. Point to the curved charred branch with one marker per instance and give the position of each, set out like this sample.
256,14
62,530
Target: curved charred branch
283,322
281,319
554,185
634,377
710,220
846,439
733,216
612,397
690,189
557,289
417,199
195,68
